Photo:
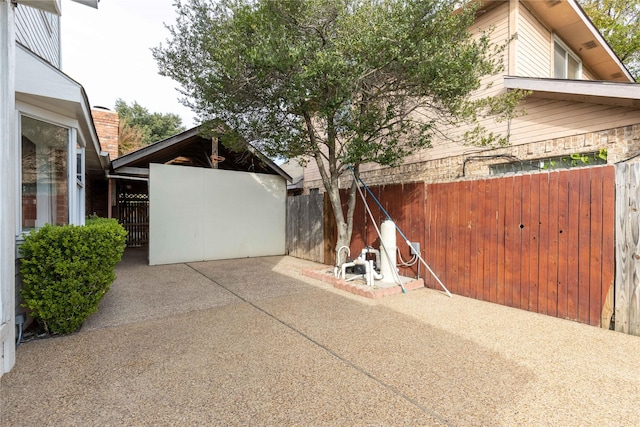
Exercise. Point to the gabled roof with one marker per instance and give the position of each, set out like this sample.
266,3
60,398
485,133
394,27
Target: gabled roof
596,92
570,22
189,147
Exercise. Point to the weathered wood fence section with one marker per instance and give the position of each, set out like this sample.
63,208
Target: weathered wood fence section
627,294
305,230
541,242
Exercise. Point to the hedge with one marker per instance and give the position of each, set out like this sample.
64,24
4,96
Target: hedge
66,270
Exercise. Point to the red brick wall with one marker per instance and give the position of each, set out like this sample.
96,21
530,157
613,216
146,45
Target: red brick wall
107,124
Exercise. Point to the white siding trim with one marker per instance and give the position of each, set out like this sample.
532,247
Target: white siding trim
7,186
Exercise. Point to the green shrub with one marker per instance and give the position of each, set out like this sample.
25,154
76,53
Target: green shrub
66,270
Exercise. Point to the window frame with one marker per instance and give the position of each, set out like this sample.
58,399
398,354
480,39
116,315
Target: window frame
567,53
75,192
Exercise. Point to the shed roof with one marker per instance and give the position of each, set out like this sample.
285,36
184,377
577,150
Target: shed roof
190,148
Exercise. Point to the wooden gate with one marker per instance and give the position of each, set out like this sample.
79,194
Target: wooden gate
305,231
133,214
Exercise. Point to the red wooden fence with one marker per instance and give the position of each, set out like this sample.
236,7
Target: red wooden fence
541,242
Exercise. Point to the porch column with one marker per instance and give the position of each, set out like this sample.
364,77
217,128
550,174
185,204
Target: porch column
109,197
8,186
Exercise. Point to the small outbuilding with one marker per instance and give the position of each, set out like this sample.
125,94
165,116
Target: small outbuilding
193,198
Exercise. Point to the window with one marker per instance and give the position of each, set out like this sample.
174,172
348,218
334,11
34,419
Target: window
549,163
45,165
566,65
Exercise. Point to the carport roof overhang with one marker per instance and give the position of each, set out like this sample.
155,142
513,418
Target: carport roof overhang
42,85
590,91
193,144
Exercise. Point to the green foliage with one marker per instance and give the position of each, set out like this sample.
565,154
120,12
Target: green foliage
66,270
619,23
151,127
342,82
352,81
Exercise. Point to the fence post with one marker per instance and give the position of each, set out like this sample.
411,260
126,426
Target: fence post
627,283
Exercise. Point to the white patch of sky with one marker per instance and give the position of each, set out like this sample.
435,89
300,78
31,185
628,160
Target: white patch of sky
108,51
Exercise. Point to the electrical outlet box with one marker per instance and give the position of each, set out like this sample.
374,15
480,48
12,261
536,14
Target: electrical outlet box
415,248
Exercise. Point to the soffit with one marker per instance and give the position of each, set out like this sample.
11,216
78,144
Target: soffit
39,83
595,92
570,23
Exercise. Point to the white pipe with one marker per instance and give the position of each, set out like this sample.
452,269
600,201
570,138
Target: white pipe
388,243
368,250
373,221
337,267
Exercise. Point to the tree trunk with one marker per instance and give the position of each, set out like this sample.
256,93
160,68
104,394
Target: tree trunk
344,223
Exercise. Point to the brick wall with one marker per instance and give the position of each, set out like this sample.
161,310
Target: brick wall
621,144
107,125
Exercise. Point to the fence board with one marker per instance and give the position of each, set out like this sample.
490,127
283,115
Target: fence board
595,244
608,244
584,225
481,237
466,230
509,215
551,295
573,247
525,227
534,235
543,243
563,243
627,284
493,242
500,198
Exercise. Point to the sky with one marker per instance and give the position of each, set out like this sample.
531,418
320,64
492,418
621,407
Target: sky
108,52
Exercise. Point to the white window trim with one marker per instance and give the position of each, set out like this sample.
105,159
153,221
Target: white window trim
76,202
569,52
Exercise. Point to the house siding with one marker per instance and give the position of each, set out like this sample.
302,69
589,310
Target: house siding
496,21
534,46
40,32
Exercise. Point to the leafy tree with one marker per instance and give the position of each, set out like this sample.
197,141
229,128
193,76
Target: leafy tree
130,138
139,127
338,82
619,23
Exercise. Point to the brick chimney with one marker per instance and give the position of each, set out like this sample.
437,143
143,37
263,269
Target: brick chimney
107,126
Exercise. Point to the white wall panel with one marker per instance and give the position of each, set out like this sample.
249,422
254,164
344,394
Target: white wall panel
205,214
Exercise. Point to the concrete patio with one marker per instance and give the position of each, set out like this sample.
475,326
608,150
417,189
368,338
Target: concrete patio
254,342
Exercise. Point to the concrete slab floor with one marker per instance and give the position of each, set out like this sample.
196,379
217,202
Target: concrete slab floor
254,342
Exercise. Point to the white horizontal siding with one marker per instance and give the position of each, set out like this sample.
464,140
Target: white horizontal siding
40,32
534,46
496,21
547,119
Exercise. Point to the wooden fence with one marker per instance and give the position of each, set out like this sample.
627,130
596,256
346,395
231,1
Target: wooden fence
541,242
627,296
551,242
305,230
